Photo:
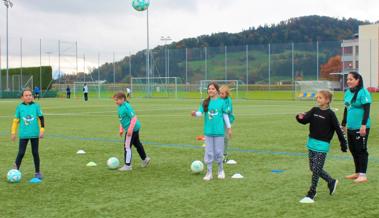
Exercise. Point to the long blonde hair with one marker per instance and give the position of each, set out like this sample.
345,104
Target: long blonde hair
226,89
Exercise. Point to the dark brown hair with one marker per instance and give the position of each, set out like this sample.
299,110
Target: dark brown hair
356,89
207,100
26,90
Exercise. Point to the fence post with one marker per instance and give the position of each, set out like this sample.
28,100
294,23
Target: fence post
40,64
206,63
318,61
269,67
21,82
226,62
247,69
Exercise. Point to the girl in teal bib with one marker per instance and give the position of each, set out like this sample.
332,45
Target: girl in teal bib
225,95
30,123
213,109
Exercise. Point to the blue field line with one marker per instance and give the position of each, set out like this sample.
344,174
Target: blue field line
255,151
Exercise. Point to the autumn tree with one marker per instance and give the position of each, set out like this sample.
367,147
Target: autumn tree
334,65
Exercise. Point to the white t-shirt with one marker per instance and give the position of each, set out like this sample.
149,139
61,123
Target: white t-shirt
85,89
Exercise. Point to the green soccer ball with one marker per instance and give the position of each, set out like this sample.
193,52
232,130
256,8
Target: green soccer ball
140,5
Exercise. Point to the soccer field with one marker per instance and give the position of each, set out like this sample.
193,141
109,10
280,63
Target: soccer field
266,137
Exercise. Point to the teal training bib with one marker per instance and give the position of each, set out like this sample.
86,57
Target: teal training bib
125,115
213,118
28,114
317,145
355,110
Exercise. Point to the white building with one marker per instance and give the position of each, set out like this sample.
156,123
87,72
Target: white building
362,54
369,54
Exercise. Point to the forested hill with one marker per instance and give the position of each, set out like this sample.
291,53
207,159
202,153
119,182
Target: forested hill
301,29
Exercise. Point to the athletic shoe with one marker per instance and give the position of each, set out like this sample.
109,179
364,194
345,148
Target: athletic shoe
146,162
38,175
361,179
221,175
332,186
309,199
208,176
125,168
352,176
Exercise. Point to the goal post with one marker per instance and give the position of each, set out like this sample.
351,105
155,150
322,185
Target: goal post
306,90
154,87
93,87
232,84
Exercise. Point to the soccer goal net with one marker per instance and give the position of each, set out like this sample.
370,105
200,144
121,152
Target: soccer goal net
232,84
154,87
307,89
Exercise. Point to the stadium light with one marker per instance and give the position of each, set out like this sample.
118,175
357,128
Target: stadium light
167,60
7,4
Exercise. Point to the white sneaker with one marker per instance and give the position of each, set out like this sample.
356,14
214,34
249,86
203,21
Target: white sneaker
208,176
307,200
125,168
146,162
221,175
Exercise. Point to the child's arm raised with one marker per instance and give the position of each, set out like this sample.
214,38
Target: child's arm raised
305,118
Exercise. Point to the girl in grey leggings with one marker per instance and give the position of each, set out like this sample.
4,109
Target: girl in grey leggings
214,110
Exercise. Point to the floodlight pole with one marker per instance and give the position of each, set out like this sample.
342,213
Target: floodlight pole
7,4
167,56
147,53
1,79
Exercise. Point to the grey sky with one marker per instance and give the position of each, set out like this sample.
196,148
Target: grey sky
113,25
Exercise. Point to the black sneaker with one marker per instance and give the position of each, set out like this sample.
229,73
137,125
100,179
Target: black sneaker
332,186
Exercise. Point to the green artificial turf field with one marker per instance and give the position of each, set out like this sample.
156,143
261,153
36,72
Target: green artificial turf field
266,137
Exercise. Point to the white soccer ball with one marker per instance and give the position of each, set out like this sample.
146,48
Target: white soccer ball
113,163
197,166
14,176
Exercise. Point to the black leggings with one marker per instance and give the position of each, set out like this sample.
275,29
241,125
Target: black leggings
137,143
22,149
316,165
358,148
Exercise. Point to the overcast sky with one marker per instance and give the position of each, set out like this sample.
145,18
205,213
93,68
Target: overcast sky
113,25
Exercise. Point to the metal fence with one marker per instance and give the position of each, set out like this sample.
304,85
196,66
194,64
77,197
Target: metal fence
269,67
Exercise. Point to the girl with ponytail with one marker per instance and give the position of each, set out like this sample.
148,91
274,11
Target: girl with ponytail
214,110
